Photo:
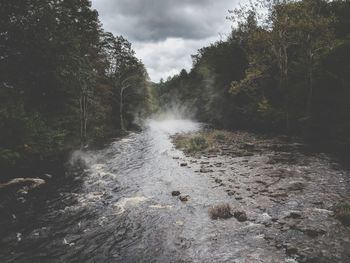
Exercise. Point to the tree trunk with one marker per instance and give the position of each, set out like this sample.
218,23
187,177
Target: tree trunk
285,83
83,103
310,80
121,106
81,119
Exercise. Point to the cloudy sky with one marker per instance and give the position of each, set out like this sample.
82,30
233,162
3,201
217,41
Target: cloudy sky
164,33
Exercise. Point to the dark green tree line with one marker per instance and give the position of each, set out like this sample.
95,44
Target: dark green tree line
283,69
59,74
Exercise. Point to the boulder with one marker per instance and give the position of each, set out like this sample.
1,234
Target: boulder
296,186
175,193
28,183
241,216
184,198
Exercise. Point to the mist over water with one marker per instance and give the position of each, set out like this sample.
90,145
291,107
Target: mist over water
173,126
122,211
121,208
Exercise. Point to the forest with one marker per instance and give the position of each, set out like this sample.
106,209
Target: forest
283,69
242,156
64,83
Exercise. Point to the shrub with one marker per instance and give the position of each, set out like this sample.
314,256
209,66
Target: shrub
219,136
342,212
220,211
198,143
191,144
8,158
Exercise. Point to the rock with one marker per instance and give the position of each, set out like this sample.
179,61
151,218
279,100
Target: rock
260,182
296,186
290,250
205,170
247,146
314,232
48,176
218,181
241,216
231,193
29,183
183,164
175,193
184,198
294,214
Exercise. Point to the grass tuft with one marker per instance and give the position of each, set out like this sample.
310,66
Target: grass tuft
219,136
342,212
220,211
192,144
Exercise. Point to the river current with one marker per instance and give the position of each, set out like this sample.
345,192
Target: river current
120,209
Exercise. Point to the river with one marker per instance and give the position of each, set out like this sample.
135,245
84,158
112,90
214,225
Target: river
120,209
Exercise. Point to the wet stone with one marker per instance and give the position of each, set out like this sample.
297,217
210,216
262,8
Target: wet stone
175,193
184,198
296,186
314,232
291,250
294,214
205,170
230,193
241,216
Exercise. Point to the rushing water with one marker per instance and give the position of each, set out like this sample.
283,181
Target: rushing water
122,210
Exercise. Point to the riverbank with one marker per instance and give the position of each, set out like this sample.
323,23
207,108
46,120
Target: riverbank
281,184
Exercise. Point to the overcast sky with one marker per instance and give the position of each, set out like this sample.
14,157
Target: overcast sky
164,33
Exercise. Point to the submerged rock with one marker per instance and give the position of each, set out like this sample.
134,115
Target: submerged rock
241,216
48,176
294,214
27,183
184,198
296,186
290,249
175,193
205,170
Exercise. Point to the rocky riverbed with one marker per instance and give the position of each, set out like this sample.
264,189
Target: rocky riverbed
292,194
223,197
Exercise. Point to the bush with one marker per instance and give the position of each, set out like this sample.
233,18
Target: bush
342,212
191,144
8,158
219,136
220,211
198,143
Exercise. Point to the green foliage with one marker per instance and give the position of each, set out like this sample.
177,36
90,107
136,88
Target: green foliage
219,136
8,157
282,70
58,80
342,212
192,144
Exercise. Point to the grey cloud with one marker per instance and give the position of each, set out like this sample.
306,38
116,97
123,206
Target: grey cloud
165,33
168,57
156,20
